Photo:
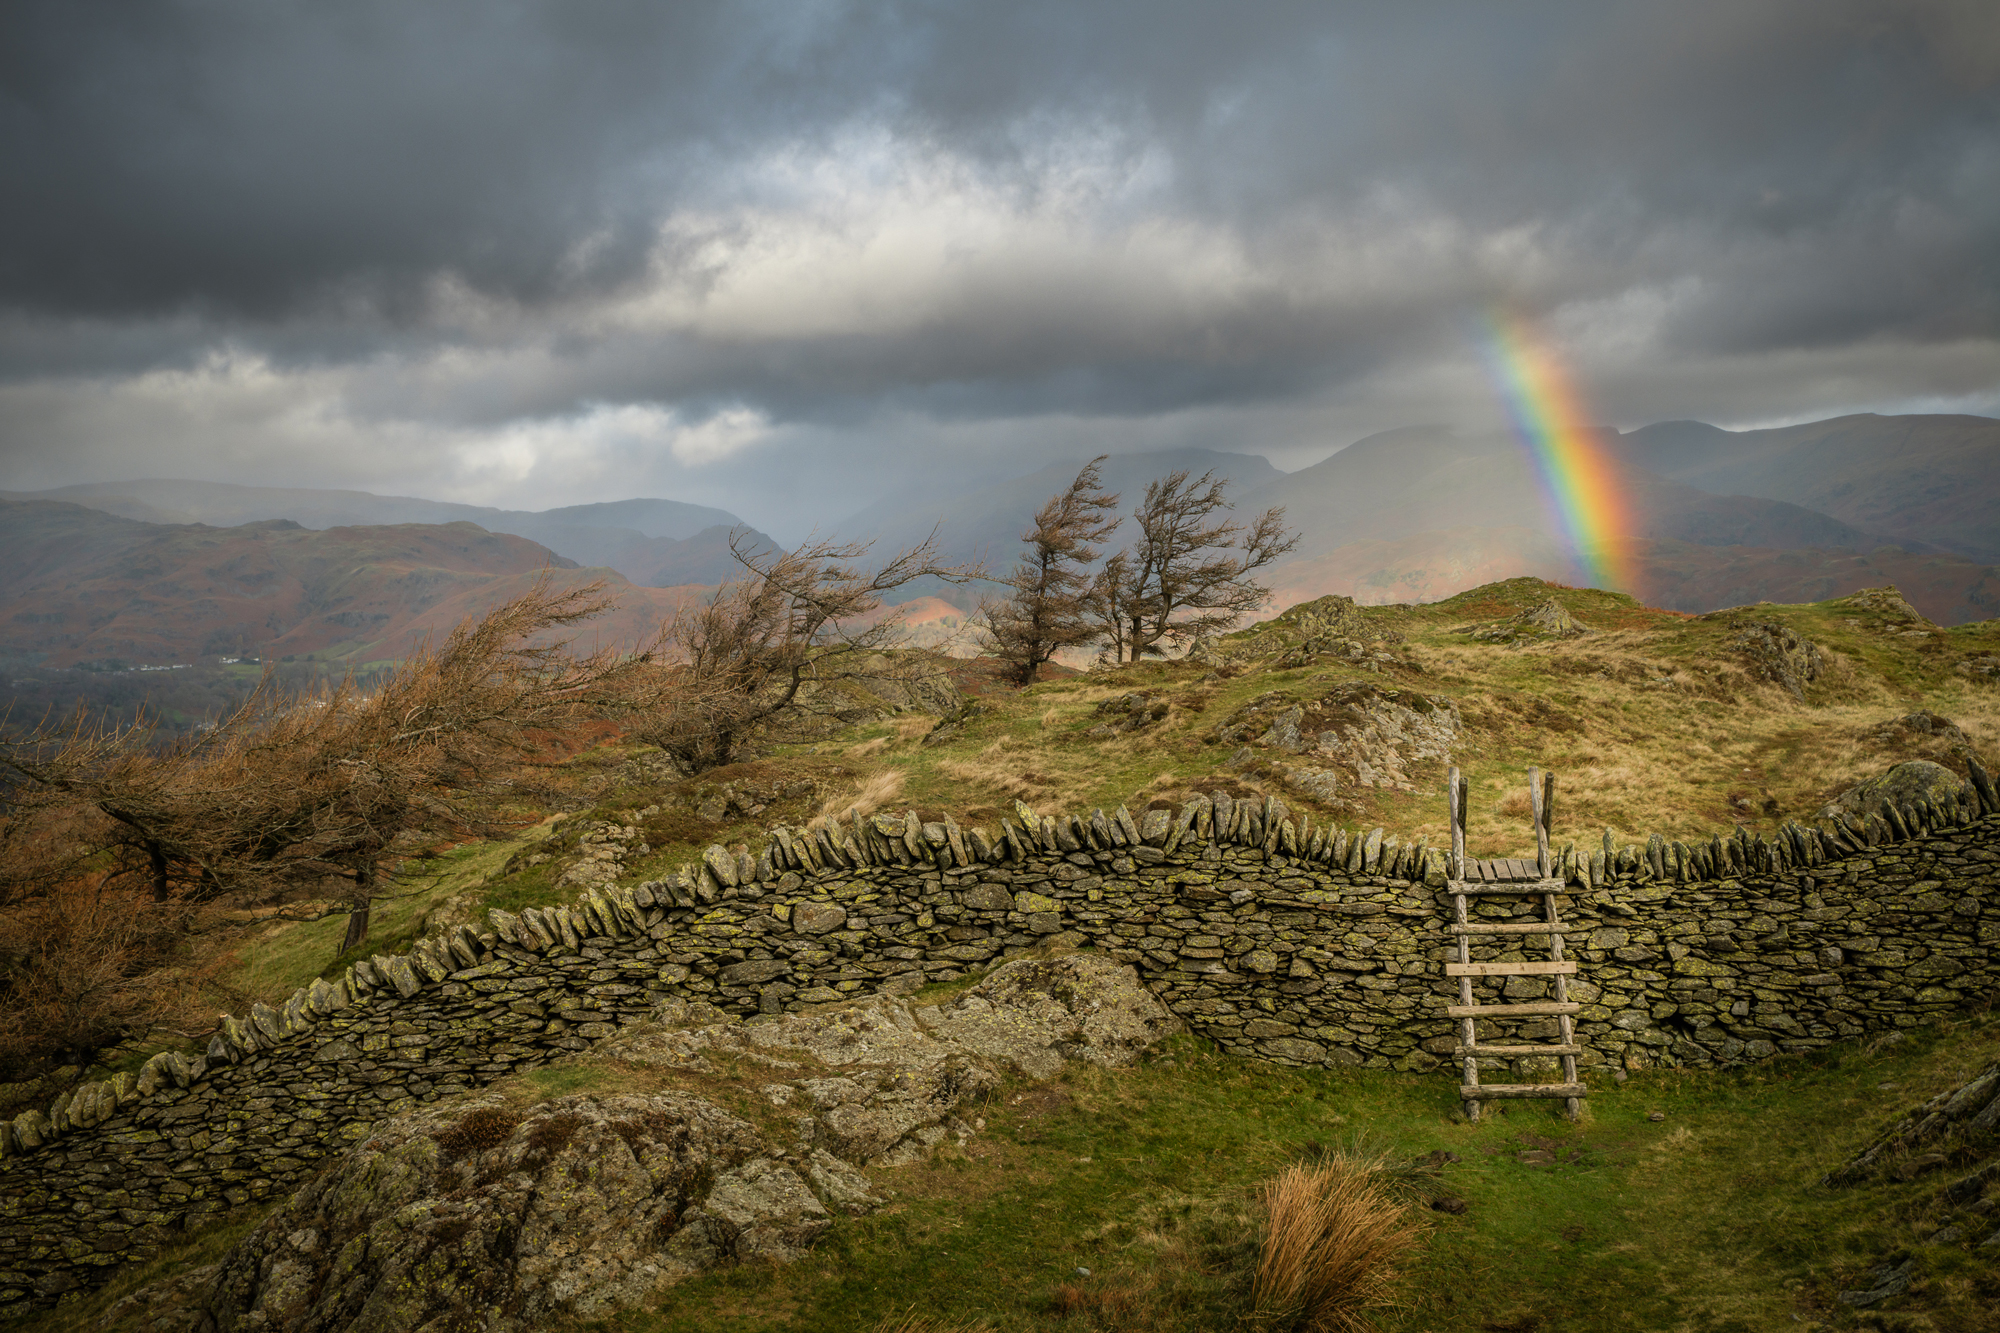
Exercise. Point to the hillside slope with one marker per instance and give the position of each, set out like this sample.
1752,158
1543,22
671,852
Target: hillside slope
85,586
1653,722
659,543
1933,479
1672,575
1401,482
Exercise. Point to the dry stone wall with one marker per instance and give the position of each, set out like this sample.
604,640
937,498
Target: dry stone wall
1278,939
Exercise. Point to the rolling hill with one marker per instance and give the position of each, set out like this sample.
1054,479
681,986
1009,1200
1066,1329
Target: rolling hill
1928,478
1421,513
86,586
658,543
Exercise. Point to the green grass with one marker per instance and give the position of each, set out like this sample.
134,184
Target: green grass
288,956
1704,1222
1708,1221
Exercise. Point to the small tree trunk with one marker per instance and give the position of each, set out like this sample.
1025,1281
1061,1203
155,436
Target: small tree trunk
158,858
364,901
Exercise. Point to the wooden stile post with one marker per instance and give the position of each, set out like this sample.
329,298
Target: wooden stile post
1455,788
1541,824
1565,1025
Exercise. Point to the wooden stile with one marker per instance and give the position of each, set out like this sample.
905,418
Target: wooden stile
1518,878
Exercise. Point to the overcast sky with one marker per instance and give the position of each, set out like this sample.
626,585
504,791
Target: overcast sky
786,256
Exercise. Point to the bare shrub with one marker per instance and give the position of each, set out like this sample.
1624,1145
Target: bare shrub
82,970
789,646
1333,1241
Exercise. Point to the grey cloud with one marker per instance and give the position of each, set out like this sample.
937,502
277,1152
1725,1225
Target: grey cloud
441,220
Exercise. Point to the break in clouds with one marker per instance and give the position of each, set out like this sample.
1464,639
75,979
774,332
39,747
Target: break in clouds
787,257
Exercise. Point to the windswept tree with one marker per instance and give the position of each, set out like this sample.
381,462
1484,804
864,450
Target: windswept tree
292,790
1047,608
1187,575
110,843
779,652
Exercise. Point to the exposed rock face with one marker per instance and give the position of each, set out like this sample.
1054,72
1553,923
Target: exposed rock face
1778,653
1128,712
899,1070
1888,603
475,1214
953,724
1032,1016
1374,733
1913,780
1332,628
1954,1136
1963,1118
1549,621
601,855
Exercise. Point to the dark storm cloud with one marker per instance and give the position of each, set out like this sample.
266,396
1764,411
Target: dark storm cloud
470,216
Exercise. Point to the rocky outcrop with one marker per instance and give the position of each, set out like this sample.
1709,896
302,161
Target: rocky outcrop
1955,1138
479,1214
1548,622
1128,713
884,1076
1887,607
953,724
1367,735
1960,1122
602,851
1327,629
1902,787
1779,654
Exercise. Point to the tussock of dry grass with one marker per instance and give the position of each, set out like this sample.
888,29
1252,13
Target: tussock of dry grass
1332,1247
916,1323
874,792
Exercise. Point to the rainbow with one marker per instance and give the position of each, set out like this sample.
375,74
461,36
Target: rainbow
1550,418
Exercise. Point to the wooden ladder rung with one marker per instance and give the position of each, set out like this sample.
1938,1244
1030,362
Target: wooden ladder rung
1510,1010
1517,888
1510,969
1512,1052
1487,1091
1511,928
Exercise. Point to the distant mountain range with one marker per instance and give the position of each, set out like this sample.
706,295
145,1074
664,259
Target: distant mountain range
1933,480
170,571
1717,517
86,586
656,543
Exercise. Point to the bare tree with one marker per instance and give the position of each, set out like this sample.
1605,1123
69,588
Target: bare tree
1048,608
782,650
1187,574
